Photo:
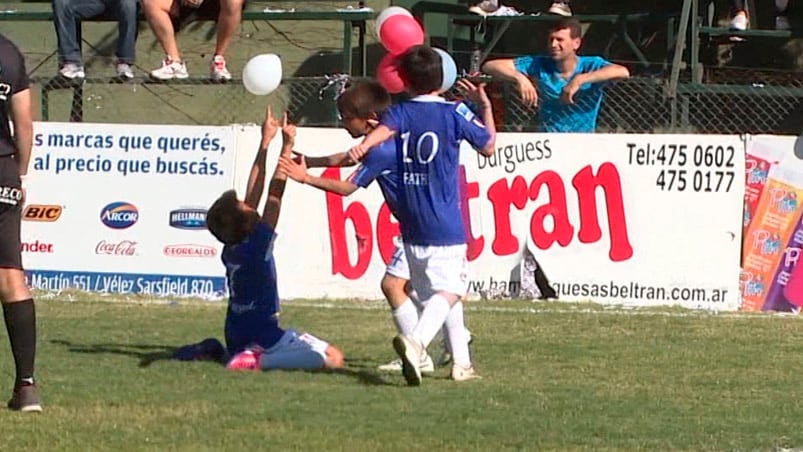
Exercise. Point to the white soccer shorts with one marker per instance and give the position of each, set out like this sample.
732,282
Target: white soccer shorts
438,269
398,265
296,351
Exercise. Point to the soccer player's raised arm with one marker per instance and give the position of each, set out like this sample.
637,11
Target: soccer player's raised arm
297,170
481,136
270,215
256,178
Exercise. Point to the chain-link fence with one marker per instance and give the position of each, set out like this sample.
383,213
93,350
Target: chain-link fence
636,105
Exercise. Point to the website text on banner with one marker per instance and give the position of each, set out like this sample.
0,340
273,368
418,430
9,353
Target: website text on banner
121,208
642,219
772,278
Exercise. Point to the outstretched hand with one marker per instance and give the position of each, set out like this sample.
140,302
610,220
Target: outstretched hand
288,136
295,168
270,126
357,152
474,93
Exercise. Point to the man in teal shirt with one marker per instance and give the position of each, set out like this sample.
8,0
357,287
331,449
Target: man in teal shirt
570,86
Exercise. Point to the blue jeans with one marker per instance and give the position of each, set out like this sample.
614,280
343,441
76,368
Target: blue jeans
69,13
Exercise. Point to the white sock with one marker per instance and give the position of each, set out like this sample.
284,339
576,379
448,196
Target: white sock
435,312
405,317
458,336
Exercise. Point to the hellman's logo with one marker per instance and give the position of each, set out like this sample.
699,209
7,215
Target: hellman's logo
188,218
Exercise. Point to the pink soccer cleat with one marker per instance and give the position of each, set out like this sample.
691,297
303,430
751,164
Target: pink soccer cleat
245,360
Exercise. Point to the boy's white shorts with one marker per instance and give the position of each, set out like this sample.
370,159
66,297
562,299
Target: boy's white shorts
437,269
398,265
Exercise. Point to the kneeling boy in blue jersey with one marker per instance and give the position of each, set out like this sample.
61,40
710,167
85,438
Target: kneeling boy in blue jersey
254,339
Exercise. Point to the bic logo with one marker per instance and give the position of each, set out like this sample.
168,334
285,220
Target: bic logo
42,212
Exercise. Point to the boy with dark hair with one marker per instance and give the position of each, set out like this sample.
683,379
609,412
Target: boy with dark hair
254,339
427,131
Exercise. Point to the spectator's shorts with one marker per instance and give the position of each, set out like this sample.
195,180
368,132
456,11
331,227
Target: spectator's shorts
10,213
209,10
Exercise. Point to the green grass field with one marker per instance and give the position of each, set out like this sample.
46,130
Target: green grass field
556,377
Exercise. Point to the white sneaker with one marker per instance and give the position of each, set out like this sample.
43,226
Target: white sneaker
739,22
217,69
560,8
427,366
72,70
125,70
460,373
485,7
782,23
412,354
170,69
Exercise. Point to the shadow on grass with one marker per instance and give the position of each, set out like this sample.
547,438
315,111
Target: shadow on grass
147,354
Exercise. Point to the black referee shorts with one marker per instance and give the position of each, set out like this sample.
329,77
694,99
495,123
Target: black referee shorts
10,213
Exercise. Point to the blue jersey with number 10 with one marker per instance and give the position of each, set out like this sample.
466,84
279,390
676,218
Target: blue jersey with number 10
428,134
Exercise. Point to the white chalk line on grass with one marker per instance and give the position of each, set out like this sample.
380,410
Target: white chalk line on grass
471,306
612,310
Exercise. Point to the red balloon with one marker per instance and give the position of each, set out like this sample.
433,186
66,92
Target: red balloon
399,33
387,73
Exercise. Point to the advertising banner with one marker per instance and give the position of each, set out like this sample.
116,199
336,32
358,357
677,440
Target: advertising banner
121,208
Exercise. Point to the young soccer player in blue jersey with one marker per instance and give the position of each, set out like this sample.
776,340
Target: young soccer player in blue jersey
360,105
427,131
254,339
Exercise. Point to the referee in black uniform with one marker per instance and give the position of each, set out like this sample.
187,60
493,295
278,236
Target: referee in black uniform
15,153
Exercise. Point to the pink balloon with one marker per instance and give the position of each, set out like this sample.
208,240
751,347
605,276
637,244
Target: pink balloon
399,33
387,73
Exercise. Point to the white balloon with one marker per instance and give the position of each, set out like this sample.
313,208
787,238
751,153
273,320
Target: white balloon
387,12
448,68
262,74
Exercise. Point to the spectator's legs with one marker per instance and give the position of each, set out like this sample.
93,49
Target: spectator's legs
227,23
127,31
231,12
781,19
67,15
158,14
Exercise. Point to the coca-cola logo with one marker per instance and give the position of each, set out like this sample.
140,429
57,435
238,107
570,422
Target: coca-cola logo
123,248
190,250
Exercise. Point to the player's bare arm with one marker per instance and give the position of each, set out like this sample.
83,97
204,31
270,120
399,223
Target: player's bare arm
297,170
256,178
270,215
339,159
379,135
479,97
610,72
505,69
21,113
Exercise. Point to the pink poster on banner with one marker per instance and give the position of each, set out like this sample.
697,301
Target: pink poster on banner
777,212
758,162
786,294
